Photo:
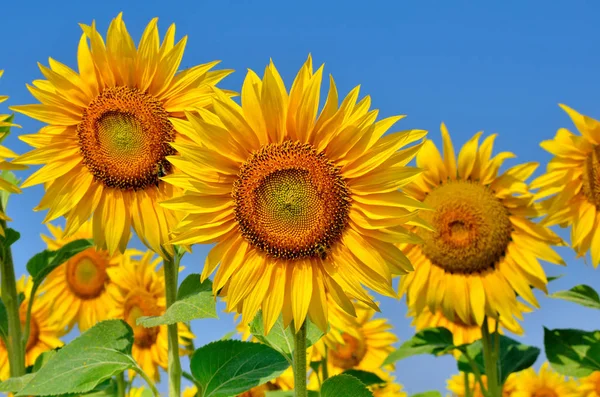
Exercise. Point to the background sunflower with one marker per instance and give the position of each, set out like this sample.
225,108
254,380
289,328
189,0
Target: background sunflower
546,383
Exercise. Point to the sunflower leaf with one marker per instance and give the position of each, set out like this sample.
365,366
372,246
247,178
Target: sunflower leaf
10,237
580,294
431,393
43,359
367,378
14,385
344,385
434,341
281,338
43,263
92,358
513,356
230,367
573,352
3,321
11,178
194,300
289,393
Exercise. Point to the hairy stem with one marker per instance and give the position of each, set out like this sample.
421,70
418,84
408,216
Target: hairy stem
171,269
149,381
489,359
477,374
121,385
299,366
324,368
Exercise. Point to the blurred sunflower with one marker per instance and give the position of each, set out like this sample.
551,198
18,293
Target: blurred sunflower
5,165
136,392
142,293
570,188
109,131
45,328
485,247
301,206
547,383
389,389
590,385
456,385
80,289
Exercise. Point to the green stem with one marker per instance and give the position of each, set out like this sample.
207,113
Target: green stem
299,366
325,370
121,385
496,355
148,380
468,391
25,336
171,269
489,359
8,291
477,374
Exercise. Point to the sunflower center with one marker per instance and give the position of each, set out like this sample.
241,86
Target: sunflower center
291,202
545,392
124,139
350,354
591,177
472,228
86,273
138,304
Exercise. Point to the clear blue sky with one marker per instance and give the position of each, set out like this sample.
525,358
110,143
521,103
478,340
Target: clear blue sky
475,65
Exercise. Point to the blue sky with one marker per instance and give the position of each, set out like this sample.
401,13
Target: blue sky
497,67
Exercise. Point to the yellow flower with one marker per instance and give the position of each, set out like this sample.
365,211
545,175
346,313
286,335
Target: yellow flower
390,389
142,293
137,392
80,289
485,247
571,185
456,385
547,383
44,332
590,385
109,131
301,206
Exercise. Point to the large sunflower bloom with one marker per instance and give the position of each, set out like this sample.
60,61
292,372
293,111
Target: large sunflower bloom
142,293
485,247
546,383
109,131
45,328
571,185
302,206
80,290
590,385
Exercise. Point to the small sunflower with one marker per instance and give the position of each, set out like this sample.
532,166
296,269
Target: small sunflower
80,289
590,385
302,206
546,383
570,188
109,132
45,328
390,389
142,293
456,385
485,248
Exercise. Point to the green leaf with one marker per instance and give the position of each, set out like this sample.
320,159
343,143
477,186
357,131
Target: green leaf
194,300
282,339
11,178
105,389
344,385
95,356
289,393
43,359
43,263
14,385
428,341
431,393
573,352
580,294
10,237
367,378
553,278
230,367
315,365
3,321
513,356
228,335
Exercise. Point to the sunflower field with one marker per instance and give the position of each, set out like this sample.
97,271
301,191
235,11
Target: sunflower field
275,231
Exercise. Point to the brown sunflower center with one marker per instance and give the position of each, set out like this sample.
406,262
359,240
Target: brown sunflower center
545,391
591,177
86,273
138,304
350,354
472,228
124,138
291,202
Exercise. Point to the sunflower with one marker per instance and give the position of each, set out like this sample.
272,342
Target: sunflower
485,247
80,289
590,385
389,389
456,385
461,333
570,188
136,392
5,165
109,132
45,328
141,292
301,206
547,383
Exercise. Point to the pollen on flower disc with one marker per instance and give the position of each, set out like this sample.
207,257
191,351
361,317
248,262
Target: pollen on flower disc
472,228
591,177
124,138
291,202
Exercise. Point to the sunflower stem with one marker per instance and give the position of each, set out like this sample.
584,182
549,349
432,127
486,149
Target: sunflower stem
477,374
8,291
490,360
149,381
468,391
171,269
299,366
27,330
121,385
324,368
